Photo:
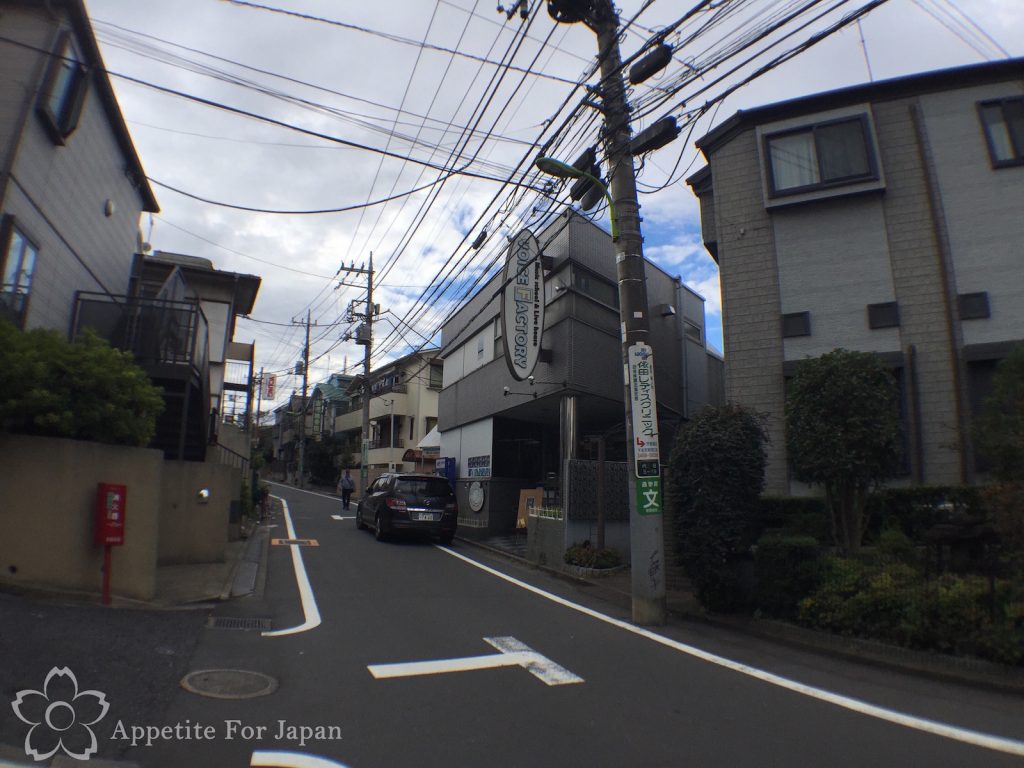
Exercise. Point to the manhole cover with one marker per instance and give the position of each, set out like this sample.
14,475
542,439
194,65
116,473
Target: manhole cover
238,622
229,683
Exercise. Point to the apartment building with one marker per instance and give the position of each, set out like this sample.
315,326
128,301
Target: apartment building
886,218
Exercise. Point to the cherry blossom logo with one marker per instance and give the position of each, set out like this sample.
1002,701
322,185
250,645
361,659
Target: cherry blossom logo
60,716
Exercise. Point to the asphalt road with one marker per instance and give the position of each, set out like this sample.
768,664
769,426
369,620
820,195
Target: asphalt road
550,676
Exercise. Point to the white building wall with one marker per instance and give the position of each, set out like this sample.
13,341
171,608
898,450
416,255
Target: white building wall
833,261
983,207
476,439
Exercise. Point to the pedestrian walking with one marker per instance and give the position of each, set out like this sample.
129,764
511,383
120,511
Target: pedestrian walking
345,487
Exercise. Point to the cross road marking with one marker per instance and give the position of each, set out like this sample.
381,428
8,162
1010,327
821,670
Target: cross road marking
512,654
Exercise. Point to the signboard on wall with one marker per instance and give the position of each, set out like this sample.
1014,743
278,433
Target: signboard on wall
522,305
479,466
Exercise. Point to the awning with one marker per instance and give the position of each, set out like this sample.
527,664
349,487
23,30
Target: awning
431,441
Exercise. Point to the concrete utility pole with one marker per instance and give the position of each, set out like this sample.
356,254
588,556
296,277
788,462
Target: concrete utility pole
645,498
302,410
364,336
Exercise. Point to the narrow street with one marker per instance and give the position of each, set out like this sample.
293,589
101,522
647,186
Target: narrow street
581,686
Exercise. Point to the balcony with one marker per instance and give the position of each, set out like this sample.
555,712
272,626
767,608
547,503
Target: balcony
170,341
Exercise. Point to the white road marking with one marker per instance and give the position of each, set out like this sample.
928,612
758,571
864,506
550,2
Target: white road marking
303,490
934,727
343,517
309,607
268,758
513,654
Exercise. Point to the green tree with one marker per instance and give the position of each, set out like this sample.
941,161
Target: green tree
999,436
843,433
84,390
715,474
999,430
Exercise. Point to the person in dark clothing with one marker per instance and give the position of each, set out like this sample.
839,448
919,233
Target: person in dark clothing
345,487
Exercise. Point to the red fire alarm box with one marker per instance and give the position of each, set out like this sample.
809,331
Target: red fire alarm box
111,503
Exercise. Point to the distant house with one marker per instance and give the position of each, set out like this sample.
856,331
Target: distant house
885,217
403,409
328,401
71,184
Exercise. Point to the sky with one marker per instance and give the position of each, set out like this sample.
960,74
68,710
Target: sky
310,105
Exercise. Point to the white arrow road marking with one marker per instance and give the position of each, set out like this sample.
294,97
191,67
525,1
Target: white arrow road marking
309,608
268,758
339,517
513,654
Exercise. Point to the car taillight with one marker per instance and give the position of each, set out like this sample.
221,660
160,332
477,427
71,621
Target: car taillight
395,503
451,506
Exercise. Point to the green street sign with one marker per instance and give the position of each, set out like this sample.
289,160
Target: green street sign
648,495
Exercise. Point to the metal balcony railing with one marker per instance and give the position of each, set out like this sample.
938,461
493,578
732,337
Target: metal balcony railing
157,332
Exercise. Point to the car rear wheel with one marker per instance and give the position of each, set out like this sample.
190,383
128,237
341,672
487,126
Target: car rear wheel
446,538
378,529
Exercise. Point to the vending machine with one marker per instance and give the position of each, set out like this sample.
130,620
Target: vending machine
446,467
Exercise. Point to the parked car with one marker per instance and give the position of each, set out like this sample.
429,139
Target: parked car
409,501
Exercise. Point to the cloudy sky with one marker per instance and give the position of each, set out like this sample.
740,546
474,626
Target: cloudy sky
314,105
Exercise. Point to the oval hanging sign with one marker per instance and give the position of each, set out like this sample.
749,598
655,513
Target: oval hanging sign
522,305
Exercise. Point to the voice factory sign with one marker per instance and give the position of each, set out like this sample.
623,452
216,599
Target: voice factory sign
522,305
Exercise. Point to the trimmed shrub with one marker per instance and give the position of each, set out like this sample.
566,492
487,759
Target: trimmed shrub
715,474
84,390
794,516
895,602
786,570
915,510
586,555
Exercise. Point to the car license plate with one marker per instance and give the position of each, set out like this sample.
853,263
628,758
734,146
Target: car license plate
425,516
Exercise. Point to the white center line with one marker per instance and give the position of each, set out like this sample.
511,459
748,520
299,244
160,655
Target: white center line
946,731
309,607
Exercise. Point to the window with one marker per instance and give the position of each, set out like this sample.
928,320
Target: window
436,376
973,306
692,330
823,155
884,315
594,287
18,263
796,324
60,102
1004,130
430,422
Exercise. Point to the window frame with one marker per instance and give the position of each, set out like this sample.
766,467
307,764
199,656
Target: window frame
8,227
804,316
873,174
973,306
885,314
1018,158
61,125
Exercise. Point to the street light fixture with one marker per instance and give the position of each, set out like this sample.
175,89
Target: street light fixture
560,170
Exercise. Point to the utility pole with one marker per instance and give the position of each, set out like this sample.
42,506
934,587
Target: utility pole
302,410
364,336
645,498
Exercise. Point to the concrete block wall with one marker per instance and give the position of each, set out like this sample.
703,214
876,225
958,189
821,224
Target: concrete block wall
46,516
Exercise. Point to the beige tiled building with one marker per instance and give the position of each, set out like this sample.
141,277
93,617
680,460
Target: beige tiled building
885,217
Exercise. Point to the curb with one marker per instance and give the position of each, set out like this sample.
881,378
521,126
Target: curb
955,669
